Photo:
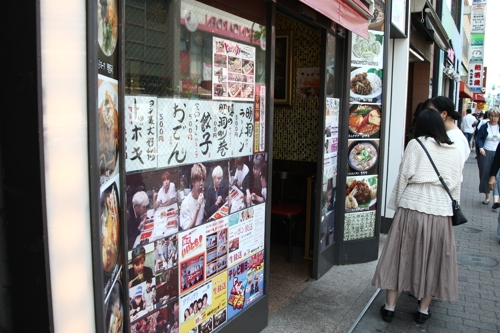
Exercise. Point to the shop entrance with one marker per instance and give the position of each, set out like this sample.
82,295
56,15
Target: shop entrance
301,147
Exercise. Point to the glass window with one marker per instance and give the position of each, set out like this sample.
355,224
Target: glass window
155,64
195,162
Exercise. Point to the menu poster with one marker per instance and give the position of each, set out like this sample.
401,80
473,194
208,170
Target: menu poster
191,131
243,130
245,283
361,193
109,213
233,74
245,236
140,133
359,225
260,118
108,128
362,157
308,82
106,230
107,38
204,308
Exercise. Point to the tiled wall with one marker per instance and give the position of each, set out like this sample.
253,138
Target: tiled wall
295,133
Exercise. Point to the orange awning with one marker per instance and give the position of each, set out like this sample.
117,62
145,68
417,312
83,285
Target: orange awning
351,17
465,91
478,98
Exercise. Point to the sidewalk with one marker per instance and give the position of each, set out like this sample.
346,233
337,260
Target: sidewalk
343,300
478,255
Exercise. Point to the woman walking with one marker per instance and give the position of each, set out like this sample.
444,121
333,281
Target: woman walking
419,255
487,140
446,109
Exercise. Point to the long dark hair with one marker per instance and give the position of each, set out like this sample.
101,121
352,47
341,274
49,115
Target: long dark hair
443,103
430,124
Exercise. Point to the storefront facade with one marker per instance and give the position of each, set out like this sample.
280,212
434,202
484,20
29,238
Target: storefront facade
180,111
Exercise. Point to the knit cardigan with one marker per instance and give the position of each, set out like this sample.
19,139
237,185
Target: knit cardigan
418,187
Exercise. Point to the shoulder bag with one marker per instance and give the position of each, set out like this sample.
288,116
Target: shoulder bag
458,217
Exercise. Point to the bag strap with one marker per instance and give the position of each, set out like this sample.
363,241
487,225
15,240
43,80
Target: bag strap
435,169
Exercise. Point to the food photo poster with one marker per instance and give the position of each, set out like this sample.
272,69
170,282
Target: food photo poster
365,122
233,70
106,229
362,157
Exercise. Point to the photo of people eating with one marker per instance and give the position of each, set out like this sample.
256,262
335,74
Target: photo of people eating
152,206
152,276
208,198
248,181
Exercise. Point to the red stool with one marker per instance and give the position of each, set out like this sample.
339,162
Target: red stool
286,212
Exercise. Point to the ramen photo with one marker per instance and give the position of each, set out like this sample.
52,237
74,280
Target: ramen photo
362,155
110,227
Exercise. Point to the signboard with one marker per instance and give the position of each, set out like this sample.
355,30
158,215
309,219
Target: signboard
478,18
365,119
476,76
477,53
477,39
162,132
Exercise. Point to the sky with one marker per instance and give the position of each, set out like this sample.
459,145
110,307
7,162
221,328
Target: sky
492,45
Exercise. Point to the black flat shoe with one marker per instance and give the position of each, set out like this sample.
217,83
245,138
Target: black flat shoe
386,314
420,318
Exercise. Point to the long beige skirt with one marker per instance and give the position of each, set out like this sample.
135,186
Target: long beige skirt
419,256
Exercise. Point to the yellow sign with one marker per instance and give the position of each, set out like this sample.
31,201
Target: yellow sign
204,309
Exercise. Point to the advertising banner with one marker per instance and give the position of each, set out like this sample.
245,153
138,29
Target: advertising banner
478,18
246,233
245,283
204,308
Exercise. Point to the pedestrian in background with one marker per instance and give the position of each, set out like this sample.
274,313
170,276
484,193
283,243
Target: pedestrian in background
467,125
493,182
419,255
487,140
484,118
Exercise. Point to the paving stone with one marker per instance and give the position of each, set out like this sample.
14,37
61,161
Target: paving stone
480,325
478,307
